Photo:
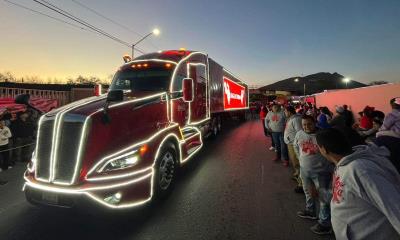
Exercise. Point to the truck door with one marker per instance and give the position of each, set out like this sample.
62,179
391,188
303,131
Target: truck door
198,108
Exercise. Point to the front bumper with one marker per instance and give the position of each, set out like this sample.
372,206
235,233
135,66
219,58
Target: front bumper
131,192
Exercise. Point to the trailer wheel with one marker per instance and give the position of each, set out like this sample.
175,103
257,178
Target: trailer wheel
219,124
165,172
214,127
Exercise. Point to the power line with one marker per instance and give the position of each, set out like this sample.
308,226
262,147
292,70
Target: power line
43,14
72,17
109,19
86,24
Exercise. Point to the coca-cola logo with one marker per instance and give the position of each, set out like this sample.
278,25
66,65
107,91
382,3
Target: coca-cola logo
234,95
337,189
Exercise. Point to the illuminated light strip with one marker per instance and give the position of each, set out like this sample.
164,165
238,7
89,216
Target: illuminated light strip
208,88
132,204
198,149
36,164
120,176
81,145
128,205
67,190
116,158
188,74
127,149
55,131
138,99
167,103
79,156
173,78
137,203
58,123
151,60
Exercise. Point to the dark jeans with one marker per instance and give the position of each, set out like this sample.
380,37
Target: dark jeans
4,157
23,154
280,146
322,183
265,129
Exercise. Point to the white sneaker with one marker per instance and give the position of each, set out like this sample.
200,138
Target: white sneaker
9,167
275,150
271,148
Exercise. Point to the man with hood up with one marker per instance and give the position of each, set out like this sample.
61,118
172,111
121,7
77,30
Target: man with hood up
366,189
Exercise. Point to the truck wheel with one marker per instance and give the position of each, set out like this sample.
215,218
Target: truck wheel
165,172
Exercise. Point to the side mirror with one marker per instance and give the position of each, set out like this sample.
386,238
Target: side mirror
23,99
188,90
115,96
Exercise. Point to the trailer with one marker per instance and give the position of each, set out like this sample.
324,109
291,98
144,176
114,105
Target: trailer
123,149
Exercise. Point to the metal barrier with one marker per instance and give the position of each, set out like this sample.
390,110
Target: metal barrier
63,97
13,148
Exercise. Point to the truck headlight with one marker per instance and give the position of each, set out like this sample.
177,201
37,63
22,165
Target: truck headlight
120,162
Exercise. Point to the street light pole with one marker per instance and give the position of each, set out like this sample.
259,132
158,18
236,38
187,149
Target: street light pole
155,32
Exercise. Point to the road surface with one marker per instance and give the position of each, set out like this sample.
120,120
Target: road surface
231,190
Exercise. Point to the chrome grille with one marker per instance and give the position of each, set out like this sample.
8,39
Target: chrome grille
44,148
69,135
68,147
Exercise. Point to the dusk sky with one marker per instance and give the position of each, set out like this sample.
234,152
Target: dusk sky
260,41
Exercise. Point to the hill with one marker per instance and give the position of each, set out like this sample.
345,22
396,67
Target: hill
314,83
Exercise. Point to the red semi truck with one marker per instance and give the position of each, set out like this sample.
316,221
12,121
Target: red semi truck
123,149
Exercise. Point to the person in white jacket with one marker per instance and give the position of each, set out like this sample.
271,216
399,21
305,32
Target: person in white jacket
293,125
5,134
366,189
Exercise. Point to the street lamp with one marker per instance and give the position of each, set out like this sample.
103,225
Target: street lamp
304,86
346,80
155,31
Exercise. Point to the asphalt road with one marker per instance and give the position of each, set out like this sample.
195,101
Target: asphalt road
231,190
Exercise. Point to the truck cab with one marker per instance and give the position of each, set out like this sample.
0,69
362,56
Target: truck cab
123,149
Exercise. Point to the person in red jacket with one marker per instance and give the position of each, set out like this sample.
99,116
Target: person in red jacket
263,113
366,119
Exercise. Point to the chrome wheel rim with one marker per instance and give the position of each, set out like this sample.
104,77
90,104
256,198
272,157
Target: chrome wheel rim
166,170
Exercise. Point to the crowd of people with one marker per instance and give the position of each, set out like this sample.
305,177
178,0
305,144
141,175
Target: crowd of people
349,167
17,134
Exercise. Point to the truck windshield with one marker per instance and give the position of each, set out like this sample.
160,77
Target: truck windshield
152,79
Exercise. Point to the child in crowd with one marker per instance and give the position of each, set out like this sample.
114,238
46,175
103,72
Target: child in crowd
316,171
5,134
